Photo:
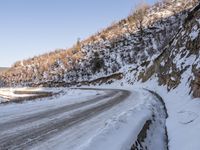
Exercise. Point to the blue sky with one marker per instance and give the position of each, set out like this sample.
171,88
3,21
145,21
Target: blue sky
33,27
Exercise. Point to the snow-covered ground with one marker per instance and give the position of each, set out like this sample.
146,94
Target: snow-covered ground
69,97
183,122
10,94
122,131
116,128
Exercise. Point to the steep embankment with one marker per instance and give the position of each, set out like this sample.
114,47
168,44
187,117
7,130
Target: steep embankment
174,75
107,52
179,61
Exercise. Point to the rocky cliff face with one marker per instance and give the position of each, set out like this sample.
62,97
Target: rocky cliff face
179,60
167,48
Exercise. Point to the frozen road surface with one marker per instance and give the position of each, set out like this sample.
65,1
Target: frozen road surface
76,119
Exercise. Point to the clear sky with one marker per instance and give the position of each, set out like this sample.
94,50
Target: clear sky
33,27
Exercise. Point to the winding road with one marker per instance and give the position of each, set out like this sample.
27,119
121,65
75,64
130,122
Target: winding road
39,126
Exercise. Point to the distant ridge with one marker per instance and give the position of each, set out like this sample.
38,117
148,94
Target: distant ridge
3,69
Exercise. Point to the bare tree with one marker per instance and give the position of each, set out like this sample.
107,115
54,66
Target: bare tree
139,14
77,46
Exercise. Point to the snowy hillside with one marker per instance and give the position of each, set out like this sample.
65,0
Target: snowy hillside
107,52
160,56
179,60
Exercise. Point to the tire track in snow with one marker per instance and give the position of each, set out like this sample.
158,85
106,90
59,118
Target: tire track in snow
49,113
27,138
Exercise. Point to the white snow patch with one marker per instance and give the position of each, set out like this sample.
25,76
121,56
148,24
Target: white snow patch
194,34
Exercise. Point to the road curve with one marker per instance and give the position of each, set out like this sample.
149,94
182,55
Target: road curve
28,137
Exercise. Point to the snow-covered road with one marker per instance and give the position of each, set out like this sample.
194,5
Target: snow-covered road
27,131
79,119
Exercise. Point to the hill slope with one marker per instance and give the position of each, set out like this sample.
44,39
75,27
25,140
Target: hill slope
163,56
107,52
179,60
166,47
